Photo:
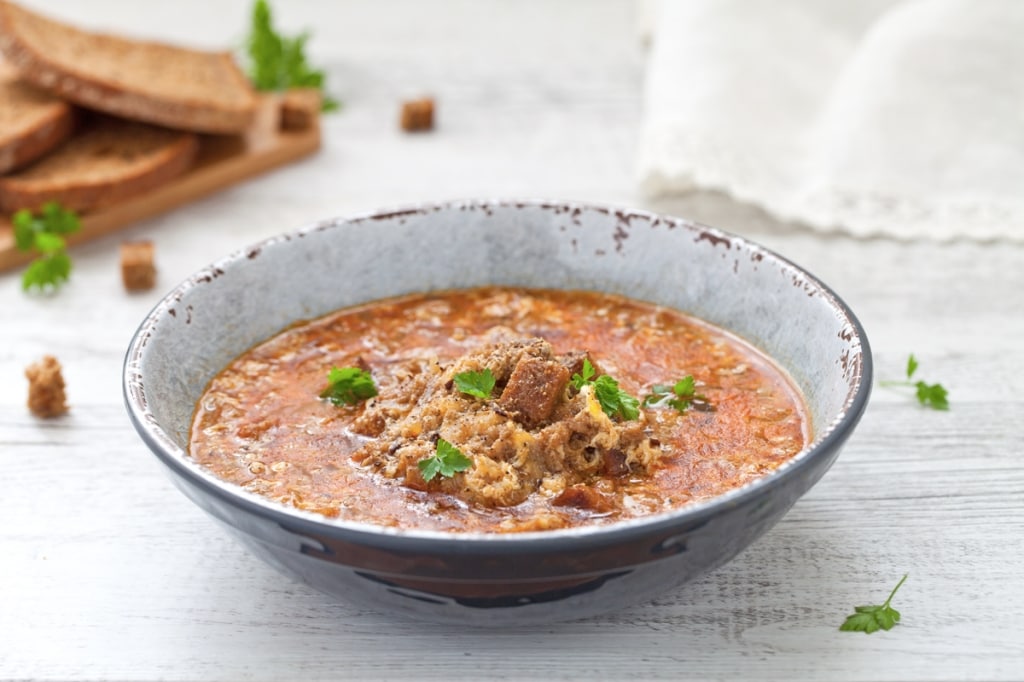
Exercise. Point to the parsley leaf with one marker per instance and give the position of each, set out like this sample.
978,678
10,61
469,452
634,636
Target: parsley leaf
868,619
24,230
613,400
911,365
277,62
934,396
679,395
579,381
52,269
348,386
447,461
476,384
45,233
684,387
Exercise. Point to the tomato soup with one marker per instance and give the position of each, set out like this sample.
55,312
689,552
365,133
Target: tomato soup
499,410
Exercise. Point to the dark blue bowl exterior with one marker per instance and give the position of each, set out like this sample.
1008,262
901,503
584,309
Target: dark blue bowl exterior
482,585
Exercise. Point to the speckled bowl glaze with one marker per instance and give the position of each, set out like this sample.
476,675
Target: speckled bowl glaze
495,580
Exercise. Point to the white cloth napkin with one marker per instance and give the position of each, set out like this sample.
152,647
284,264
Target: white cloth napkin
899,118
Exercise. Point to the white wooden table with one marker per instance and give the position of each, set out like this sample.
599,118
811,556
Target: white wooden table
108,572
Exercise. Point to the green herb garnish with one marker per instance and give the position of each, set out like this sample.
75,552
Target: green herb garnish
868,619
679,395
447,461
277,62
613,400
934,396
477,384
348,386
45,233
580,380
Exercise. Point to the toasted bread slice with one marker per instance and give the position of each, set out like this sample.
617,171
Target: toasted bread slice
108,160
32,122
144,81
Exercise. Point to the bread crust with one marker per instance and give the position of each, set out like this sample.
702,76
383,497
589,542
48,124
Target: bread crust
69,175
44,125
81,82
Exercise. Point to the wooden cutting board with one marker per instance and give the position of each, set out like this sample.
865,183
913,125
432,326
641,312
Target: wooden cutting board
222,161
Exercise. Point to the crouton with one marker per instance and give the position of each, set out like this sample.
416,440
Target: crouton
137,268
533,389
46,396
299,108
418,115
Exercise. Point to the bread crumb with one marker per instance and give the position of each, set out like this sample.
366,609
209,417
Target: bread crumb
299,108
418,115
137,269
46,396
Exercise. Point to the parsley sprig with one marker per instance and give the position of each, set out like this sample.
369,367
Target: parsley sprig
580,380
477,384
446,461
277,62
679,395
348,386
934,396
613,400
44,233
868,619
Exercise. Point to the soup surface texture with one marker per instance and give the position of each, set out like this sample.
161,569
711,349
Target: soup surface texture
591,418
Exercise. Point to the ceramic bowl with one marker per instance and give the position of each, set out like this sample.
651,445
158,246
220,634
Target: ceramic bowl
478,579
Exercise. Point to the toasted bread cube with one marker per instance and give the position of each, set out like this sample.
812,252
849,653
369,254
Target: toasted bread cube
46,396
418,115
533,390
299,108
137,269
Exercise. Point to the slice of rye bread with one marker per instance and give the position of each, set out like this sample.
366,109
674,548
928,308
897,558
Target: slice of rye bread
106,161
32,122
145,81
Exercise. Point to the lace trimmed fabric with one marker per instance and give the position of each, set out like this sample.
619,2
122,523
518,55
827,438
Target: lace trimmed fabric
902,119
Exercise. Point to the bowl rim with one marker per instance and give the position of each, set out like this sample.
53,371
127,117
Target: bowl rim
416,539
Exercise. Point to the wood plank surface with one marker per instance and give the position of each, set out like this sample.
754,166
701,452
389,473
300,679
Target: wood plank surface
107,572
